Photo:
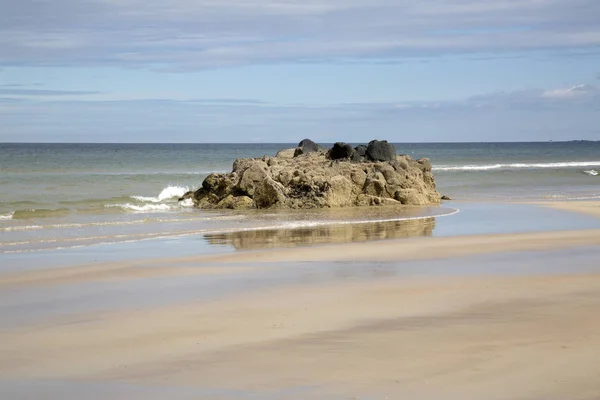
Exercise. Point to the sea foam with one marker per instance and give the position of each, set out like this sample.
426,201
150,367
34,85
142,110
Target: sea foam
591,172
187,203
144,208
565,197
6,216
488,167
170,192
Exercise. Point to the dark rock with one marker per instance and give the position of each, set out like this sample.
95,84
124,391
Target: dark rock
340,151
307,146
444,197
380,150
361,150
356,157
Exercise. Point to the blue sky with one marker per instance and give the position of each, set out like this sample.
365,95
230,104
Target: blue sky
282,70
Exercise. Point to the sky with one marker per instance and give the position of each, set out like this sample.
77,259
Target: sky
221,71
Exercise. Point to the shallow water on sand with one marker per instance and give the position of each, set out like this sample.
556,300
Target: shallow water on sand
56,235
326,226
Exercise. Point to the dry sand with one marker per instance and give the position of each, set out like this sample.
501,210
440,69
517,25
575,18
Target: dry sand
439,337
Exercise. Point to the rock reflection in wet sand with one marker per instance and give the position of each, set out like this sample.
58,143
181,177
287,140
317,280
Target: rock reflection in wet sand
269,238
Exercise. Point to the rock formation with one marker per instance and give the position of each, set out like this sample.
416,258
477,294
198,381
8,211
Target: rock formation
309,177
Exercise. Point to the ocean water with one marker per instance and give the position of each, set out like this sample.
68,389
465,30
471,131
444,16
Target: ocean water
72,195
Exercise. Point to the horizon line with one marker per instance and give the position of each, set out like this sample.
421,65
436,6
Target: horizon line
293,143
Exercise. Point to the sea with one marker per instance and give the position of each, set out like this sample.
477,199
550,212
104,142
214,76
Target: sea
57,196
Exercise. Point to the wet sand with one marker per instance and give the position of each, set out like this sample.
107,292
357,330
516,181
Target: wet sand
439,317
587,207
417,248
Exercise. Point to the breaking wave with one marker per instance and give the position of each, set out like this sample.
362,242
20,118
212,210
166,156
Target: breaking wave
6,216
512,166
591,172
143,208
165,201
170,192
187,203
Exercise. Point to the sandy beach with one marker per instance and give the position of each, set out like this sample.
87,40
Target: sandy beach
499,316
299,200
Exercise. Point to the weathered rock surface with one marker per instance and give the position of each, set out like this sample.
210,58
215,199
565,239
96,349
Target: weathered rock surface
339,178
286,153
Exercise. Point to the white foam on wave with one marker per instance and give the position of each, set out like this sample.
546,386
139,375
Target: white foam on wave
20,228
146,199
168,193
187,203
570,197
591,172
488,167
6,217
313,224
144,208
123,223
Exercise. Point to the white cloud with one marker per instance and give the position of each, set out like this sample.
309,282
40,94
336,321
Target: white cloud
571,92
191,34
578,95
